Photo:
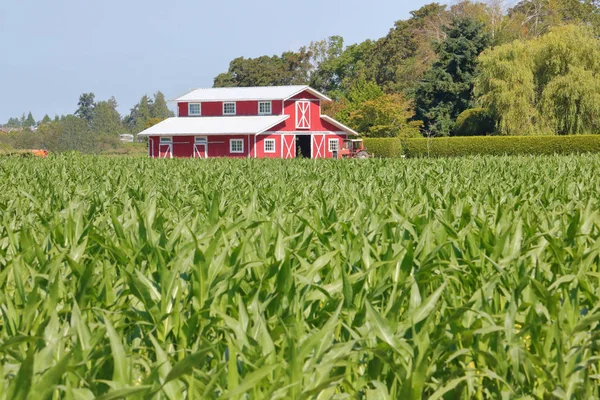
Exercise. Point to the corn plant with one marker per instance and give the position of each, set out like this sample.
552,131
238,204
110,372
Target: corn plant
469,278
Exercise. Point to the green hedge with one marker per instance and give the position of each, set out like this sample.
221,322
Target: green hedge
384,147
501,145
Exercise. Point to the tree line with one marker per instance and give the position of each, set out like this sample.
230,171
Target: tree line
93,127
474,68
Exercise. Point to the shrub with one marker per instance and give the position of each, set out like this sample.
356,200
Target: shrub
474,122
384,147
502,145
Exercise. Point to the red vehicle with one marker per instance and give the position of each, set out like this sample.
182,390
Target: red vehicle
353,148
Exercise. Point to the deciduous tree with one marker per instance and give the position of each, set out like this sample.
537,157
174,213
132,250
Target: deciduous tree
107,120
547,85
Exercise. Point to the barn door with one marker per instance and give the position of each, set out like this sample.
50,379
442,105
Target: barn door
200,147
303,115
319,146
199,151
165,150
289,146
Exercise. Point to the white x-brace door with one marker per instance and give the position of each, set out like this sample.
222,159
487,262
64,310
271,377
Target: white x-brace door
165,150
200,151
303,115
319,146
289,146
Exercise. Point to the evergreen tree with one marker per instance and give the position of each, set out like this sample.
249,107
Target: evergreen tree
159,108
29,121
45,120
13,123
140,115
446,90
86,105
56,118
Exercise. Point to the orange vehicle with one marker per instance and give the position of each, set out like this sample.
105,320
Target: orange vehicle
40,153
353,148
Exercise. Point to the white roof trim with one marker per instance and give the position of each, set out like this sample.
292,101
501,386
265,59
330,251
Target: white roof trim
312,91
206,126
259,93
339,125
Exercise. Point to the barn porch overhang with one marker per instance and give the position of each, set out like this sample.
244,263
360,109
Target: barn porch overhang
207,126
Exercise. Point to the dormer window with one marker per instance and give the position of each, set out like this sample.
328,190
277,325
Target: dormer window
265,108
229,108
194,109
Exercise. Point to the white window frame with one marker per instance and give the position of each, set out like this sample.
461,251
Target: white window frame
307,116
166,140
270,103
228,103
337,145
265,145
231,150
190,109
200,140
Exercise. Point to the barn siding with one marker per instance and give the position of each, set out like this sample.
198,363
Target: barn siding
183,109
183,146
218,146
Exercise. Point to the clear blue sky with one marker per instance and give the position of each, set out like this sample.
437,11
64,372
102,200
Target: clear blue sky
52,51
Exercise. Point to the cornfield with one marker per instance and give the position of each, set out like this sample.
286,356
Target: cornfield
468,278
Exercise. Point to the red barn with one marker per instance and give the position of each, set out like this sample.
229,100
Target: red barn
259,122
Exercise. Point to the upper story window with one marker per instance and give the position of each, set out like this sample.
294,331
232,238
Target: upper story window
166,140
194,109
201,140
228,108
265,108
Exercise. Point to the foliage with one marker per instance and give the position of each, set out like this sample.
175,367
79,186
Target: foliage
384,147
501,145
139,116
159,108
291,68
148,112
388,115
87,104
68,134
447,88
29,122
107,120
457,279
538,17
399,60
474,122
548,85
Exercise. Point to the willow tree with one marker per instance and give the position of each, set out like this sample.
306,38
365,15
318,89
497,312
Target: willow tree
547,85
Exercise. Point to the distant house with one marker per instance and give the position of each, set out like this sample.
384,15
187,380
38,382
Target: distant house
126,137
259,122
7,129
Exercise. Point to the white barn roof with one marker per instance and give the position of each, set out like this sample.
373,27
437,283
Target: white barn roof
186,126
249,93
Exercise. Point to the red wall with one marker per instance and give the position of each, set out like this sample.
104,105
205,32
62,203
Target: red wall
321,145
218,146
260,146
183,109
244,108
